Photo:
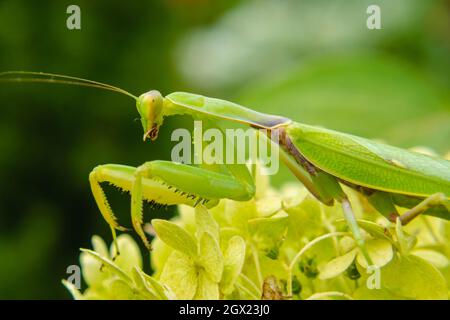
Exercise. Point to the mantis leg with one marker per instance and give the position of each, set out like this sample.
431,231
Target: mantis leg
429,202
199,182
330,186
166,183
95,177
354,228
326,189
384,204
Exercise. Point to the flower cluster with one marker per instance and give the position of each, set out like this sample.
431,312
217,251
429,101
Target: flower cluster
283,244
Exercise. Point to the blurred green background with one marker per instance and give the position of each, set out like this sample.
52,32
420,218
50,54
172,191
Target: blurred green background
314,61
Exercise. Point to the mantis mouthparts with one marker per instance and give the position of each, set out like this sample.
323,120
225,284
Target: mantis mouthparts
152,133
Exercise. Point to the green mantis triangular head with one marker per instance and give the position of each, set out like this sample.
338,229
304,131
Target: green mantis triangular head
150,108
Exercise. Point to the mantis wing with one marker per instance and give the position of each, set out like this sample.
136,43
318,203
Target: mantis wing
370,164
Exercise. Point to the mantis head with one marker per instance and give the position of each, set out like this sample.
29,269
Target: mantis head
150,107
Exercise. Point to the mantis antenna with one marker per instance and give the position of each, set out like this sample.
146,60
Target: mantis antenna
29,76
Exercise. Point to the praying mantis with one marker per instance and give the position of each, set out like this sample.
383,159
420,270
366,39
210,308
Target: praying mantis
322,160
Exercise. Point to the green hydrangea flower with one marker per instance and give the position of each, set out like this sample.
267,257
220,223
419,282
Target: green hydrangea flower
283,244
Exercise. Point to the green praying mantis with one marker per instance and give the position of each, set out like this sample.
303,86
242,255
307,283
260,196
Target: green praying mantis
323,160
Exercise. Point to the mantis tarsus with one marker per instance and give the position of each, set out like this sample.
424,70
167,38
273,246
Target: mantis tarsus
323,160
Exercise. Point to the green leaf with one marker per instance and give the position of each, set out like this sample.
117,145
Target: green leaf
205,222
330,295
346,244
271,228
379,250
210,256
307,213
97,294
436,258
180,275
163,292
130,254
268,266
90,267
108,264
375,230
238,213
175,237
76,294
262,181
160,253
207,289
364,293
336,266
142,285
247,289
405,241
293,194
151,286
233,262
121,290
412,277
99,246
268,205
269,233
